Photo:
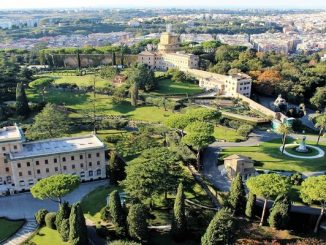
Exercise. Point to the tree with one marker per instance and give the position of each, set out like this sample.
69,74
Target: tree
284,130
237,197
49,123
116,168
137,222
267,186
77,225
313,191
250,206
113,59
156,171
279,215
55,187
64,230
319,98
63,213
22,108
321,124
178,121
199,135
116,212
134,94
179,76
220,229
179,226
42,84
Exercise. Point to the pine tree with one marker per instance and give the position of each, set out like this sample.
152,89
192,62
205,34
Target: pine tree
279,214
250,206
116,169
117,212
22,108
64,230
237,198
220,229
137,222
78,229
134,94
179,225
63,213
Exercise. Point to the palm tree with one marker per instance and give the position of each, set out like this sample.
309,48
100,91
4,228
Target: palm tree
284,130
321,124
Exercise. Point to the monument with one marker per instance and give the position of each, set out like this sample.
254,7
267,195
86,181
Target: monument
302,147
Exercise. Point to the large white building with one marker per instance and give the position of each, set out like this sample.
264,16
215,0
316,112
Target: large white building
23,163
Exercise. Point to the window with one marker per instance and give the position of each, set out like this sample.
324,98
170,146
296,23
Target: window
90,173
73,166
82,174
89,155
72,158
56,169
98,172
64,167
37,163
98,163
3,148
46,161
20,174
21,183
63,159
81,165
8,178
47,170
81,156
98,154
19,165
90,164
5,160
7,169
28,164
15,147
38,171
55,160
29,172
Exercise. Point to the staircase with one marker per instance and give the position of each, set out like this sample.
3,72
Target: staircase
23,233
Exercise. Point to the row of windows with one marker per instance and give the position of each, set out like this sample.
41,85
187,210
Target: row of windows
56,169
8,179
28,164
4,148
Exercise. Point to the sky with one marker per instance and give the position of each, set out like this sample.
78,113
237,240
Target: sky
308,4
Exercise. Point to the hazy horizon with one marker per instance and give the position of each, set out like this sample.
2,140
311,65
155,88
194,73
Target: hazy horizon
252,4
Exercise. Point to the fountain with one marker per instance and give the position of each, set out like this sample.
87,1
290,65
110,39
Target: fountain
302,147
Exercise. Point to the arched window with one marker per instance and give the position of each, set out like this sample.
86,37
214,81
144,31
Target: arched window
90,173
98,172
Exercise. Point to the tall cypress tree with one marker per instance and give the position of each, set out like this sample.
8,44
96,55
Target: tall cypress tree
64,230
137,222
250,206
63,213
279,213
116,168
237,198
117,212
78,229
22,108
220,229
179,225
113,59
134,94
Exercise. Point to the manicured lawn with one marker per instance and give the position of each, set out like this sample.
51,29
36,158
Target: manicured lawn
268,156
9,227
83,104
227,134
166,86
93,202
86,80
47,236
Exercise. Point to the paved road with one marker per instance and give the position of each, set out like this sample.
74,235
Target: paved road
24,205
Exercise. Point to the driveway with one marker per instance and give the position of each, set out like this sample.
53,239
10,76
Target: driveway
24,205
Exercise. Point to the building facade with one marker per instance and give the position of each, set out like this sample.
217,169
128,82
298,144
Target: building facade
23,163
237,164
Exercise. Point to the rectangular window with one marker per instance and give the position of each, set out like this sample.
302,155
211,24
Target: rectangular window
38,171
64,168
7,169
55,160
81,156
72,158
73,166
89,155
81,165
19,165
90,164
3,148
20,174
15,147
98,163
56,169
29,172
37,163
98,154
46,161
47,170
63,159
28,164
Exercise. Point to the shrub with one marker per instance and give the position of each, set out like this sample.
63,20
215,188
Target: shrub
112,138
64,230
244,130
105,214
40,216
296,179
50,220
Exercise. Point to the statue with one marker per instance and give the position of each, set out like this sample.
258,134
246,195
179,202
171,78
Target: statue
302,147
280,104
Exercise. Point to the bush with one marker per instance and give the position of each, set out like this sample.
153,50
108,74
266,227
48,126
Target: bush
234,124
50,220
105,214
40,216
116,123
64,230
112,138
296,179
244,130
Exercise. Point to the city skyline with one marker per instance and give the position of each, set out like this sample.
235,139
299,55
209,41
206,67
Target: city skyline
277,4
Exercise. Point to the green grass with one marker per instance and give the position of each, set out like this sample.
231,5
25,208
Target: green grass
47,236
167,86
86,80
268,156
227,134
83,104
94,201
9,227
